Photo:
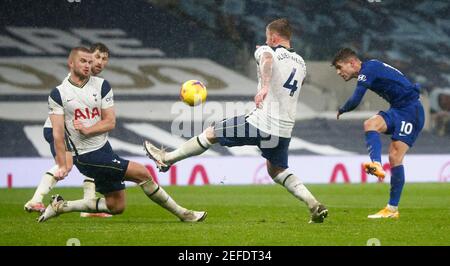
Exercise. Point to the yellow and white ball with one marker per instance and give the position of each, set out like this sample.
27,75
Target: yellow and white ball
193,92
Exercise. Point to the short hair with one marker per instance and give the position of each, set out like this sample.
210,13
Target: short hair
282,27
101,47
343,55
79,49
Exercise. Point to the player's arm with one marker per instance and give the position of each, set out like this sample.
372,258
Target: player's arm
265,63
107,124
56,112
353,101
365,80
108,121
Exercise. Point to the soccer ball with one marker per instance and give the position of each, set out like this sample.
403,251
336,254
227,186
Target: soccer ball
193,92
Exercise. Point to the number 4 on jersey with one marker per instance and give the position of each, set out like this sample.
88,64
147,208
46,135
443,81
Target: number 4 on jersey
293,87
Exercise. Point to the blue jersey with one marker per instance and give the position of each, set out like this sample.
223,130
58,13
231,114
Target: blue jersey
386,81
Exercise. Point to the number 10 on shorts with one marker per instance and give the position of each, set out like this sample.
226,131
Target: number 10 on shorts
406,128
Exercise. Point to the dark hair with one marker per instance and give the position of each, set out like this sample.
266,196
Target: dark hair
101,47
282,27
343,55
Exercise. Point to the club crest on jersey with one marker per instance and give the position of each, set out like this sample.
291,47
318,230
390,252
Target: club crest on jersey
362,77
86,113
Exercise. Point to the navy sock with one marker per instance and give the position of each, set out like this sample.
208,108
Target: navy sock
397,182
373,144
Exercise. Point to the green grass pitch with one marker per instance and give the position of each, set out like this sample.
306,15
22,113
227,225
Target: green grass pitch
241,215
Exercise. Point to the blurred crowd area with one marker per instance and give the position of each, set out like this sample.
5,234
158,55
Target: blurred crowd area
413,36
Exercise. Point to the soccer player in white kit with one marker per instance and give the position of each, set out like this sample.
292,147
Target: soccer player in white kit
81,110
281,72
100,60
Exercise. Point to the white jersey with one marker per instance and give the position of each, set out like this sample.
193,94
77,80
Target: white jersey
82,103
277,115
48,122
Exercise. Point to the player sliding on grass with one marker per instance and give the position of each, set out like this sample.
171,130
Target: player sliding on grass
81,110
281,72
100,60
403,121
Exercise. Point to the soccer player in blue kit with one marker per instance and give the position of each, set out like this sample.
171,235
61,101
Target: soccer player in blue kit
403,120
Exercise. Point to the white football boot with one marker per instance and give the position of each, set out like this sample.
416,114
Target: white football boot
156,155
193,216
318,214
52,209
34,207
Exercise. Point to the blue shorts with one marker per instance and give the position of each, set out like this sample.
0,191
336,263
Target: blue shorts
404,124
236,131
105,167
48,136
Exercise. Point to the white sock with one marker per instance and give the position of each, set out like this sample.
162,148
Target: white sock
47,183
392,208
84,205
89,188
194,146
296,188
159,195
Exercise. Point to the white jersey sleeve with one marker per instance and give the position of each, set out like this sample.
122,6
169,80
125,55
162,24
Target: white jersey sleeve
107,95
55,105
261,50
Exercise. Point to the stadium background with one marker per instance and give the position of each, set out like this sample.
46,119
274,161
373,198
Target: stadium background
155,46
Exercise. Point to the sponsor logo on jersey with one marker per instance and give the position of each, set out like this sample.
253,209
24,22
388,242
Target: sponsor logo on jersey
86,113
362,77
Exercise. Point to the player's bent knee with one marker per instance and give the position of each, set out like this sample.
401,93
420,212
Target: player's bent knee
137,173
115,208
274,171
369,125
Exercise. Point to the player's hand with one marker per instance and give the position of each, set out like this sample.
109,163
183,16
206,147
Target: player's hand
78,125
260,96
60,173
339,113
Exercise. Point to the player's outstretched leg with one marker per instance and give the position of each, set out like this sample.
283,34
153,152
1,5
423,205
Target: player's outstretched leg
293,184
397,151
397,182
194,146
89,193
139,174
373,126
158,195
47,183
58,206
373,144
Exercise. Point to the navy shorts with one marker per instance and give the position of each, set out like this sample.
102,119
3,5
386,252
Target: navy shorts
404,124
48,136
105,167
236,131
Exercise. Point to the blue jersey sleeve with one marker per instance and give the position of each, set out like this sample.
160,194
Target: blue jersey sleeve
355,100
367,75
